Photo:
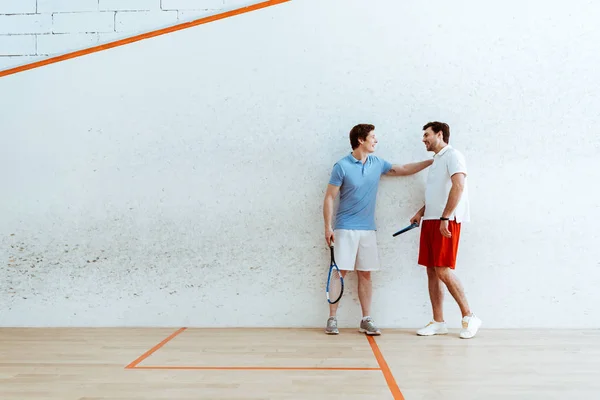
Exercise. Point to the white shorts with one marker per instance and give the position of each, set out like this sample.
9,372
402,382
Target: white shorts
356,250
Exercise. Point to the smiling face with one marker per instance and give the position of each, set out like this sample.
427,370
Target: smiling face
432,140
436,135
368,145
362,138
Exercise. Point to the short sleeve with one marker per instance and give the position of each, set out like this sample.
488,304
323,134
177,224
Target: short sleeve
337,175
456,163
385,166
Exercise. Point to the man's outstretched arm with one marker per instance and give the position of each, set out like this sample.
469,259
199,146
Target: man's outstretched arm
408,169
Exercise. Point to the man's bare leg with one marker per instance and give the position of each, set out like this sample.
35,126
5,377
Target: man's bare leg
333,307
332,328
365,294
455,288
436,294
365,291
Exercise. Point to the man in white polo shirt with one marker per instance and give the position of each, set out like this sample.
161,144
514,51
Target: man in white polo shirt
446,208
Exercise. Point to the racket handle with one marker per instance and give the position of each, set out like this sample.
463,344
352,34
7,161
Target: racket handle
408,228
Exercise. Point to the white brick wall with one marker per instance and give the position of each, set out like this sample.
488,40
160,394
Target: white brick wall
45,6
25,23
52,44
132,21
34,29
17,6
192,4
84,22
21,45
8,61
129,5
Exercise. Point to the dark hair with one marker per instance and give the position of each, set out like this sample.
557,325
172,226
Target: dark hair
436,127
360,131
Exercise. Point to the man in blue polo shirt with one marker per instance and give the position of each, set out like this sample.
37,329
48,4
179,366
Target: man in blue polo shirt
356,179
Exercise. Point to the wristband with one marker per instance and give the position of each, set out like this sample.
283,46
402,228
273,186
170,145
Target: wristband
445,219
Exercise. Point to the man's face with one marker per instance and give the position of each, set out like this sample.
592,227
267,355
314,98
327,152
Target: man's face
369,144
431,139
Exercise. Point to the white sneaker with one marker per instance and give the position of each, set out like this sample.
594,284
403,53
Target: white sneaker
433,328
470,326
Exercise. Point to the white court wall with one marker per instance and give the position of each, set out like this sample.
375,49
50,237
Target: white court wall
179,181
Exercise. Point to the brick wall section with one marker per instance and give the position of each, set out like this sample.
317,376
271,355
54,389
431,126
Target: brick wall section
36,29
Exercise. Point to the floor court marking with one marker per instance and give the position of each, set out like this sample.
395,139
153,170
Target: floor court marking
260,368
383,366
143,36
147,354
389,378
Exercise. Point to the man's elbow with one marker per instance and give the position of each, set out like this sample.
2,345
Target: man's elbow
458,186
401,171
329,198
458,181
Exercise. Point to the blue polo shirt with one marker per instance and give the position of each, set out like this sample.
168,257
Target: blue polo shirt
358,191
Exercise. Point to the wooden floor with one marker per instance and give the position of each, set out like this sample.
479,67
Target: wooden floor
180,364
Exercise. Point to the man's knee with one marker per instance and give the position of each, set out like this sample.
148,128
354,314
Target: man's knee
443,273
364,275
432,273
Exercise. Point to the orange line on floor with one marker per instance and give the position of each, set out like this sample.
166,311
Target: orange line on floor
142,36
260,368
389,378
147,354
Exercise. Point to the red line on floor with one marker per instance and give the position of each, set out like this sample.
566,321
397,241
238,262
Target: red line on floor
389,378
175,367
142,36
135,364
147,354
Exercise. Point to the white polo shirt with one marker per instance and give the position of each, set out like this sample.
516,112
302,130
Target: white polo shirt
445,164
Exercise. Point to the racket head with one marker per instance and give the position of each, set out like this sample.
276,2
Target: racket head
335,281
335,285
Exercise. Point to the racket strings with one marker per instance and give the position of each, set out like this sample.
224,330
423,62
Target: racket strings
335,284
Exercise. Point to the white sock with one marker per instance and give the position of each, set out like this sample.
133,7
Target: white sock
365,317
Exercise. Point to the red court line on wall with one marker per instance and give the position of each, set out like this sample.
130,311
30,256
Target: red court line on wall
142,36
147,354
389,378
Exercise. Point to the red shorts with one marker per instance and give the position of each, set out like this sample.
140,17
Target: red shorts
436,250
